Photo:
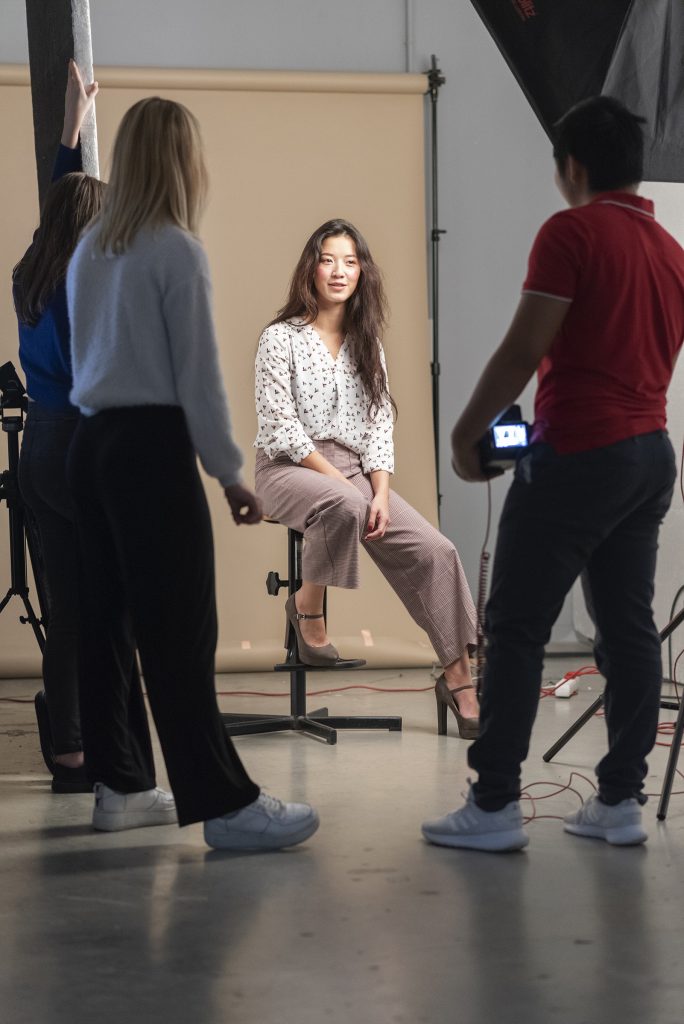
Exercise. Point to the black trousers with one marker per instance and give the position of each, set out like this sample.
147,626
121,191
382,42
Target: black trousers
42,481
146,576
600,512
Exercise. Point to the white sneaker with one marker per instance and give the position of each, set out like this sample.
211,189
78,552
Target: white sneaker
471,828
117,811
265,824
619,824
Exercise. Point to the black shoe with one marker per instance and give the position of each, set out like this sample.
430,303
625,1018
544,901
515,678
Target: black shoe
70,780
44,730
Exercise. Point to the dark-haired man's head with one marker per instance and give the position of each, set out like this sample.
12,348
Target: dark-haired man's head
601,142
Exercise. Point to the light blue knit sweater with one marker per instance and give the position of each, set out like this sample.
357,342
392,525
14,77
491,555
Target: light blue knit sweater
142,333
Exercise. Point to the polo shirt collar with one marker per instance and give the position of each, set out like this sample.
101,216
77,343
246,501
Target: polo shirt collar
626,200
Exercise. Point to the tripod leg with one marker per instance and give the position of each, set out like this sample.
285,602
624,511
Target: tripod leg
35,553
671,769
671,626
33,621
575,728
671,765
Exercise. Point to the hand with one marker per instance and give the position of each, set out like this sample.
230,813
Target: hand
78,100
379,518
465,462
244,505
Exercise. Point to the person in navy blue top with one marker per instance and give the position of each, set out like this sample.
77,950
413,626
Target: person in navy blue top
38,288
44,339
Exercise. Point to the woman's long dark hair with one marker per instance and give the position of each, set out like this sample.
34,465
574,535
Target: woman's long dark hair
70,203
365,313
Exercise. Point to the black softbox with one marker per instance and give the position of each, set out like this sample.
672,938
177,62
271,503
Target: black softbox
563,51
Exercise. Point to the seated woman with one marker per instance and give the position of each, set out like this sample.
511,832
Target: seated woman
325,458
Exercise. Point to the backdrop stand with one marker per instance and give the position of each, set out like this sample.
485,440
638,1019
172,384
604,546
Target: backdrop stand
435,82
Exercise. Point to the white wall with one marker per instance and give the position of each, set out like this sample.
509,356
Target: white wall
279,34
495,161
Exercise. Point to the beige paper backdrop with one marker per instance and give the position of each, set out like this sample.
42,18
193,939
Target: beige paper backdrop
286,151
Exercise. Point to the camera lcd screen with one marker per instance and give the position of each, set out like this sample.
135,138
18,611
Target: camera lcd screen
510,435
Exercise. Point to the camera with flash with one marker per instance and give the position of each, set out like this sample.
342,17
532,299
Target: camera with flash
506,441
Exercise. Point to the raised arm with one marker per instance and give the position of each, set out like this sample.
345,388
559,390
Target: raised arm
78,100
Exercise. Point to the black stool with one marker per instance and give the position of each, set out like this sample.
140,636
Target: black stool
319,723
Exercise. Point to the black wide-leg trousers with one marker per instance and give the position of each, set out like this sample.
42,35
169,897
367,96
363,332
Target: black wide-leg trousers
146,579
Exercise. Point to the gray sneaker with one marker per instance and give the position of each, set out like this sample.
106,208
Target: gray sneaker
117,811
265,824
471,828
619,824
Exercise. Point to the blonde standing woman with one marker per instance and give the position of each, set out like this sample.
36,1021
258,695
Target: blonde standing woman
327,454
149,389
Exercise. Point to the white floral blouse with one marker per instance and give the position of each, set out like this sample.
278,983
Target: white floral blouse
304,395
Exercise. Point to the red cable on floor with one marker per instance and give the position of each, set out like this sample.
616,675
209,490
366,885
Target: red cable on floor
319,693
558,788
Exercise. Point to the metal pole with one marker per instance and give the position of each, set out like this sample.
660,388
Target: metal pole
435,81
58,30
83,55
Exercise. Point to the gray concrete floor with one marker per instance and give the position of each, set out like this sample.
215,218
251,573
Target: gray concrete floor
364,922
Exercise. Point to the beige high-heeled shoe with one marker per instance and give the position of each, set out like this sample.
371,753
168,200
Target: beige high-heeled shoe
468,728
308,655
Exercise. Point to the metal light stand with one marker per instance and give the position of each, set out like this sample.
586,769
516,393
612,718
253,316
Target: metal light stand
665,704
318,724
12,407
435,81
678,706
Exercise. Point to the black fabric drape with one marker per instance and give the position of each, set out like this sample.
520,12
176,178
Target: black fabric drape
561,53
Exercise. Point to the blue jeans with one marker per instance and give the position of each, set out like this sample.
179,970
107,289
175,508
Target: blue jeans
597,512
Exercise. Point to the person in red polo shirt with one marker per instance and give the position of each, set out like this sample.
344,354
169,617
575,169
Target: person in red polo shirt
601,320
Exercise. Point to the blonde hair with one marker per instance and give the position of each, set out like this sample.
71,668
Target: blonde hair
158,173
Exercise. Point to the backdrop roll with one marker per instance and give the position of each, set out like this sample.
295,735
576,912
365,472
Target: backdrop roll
286,151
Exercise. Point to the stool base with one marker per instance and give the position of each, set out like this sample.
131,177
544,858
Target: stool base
317,724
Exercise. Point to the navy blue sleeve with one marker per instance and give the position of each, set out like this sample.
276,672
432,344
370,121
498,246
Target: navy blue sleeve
66,161
60,314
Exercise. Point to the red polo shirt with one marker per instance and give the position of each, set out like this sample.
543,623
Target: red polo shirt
606,375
